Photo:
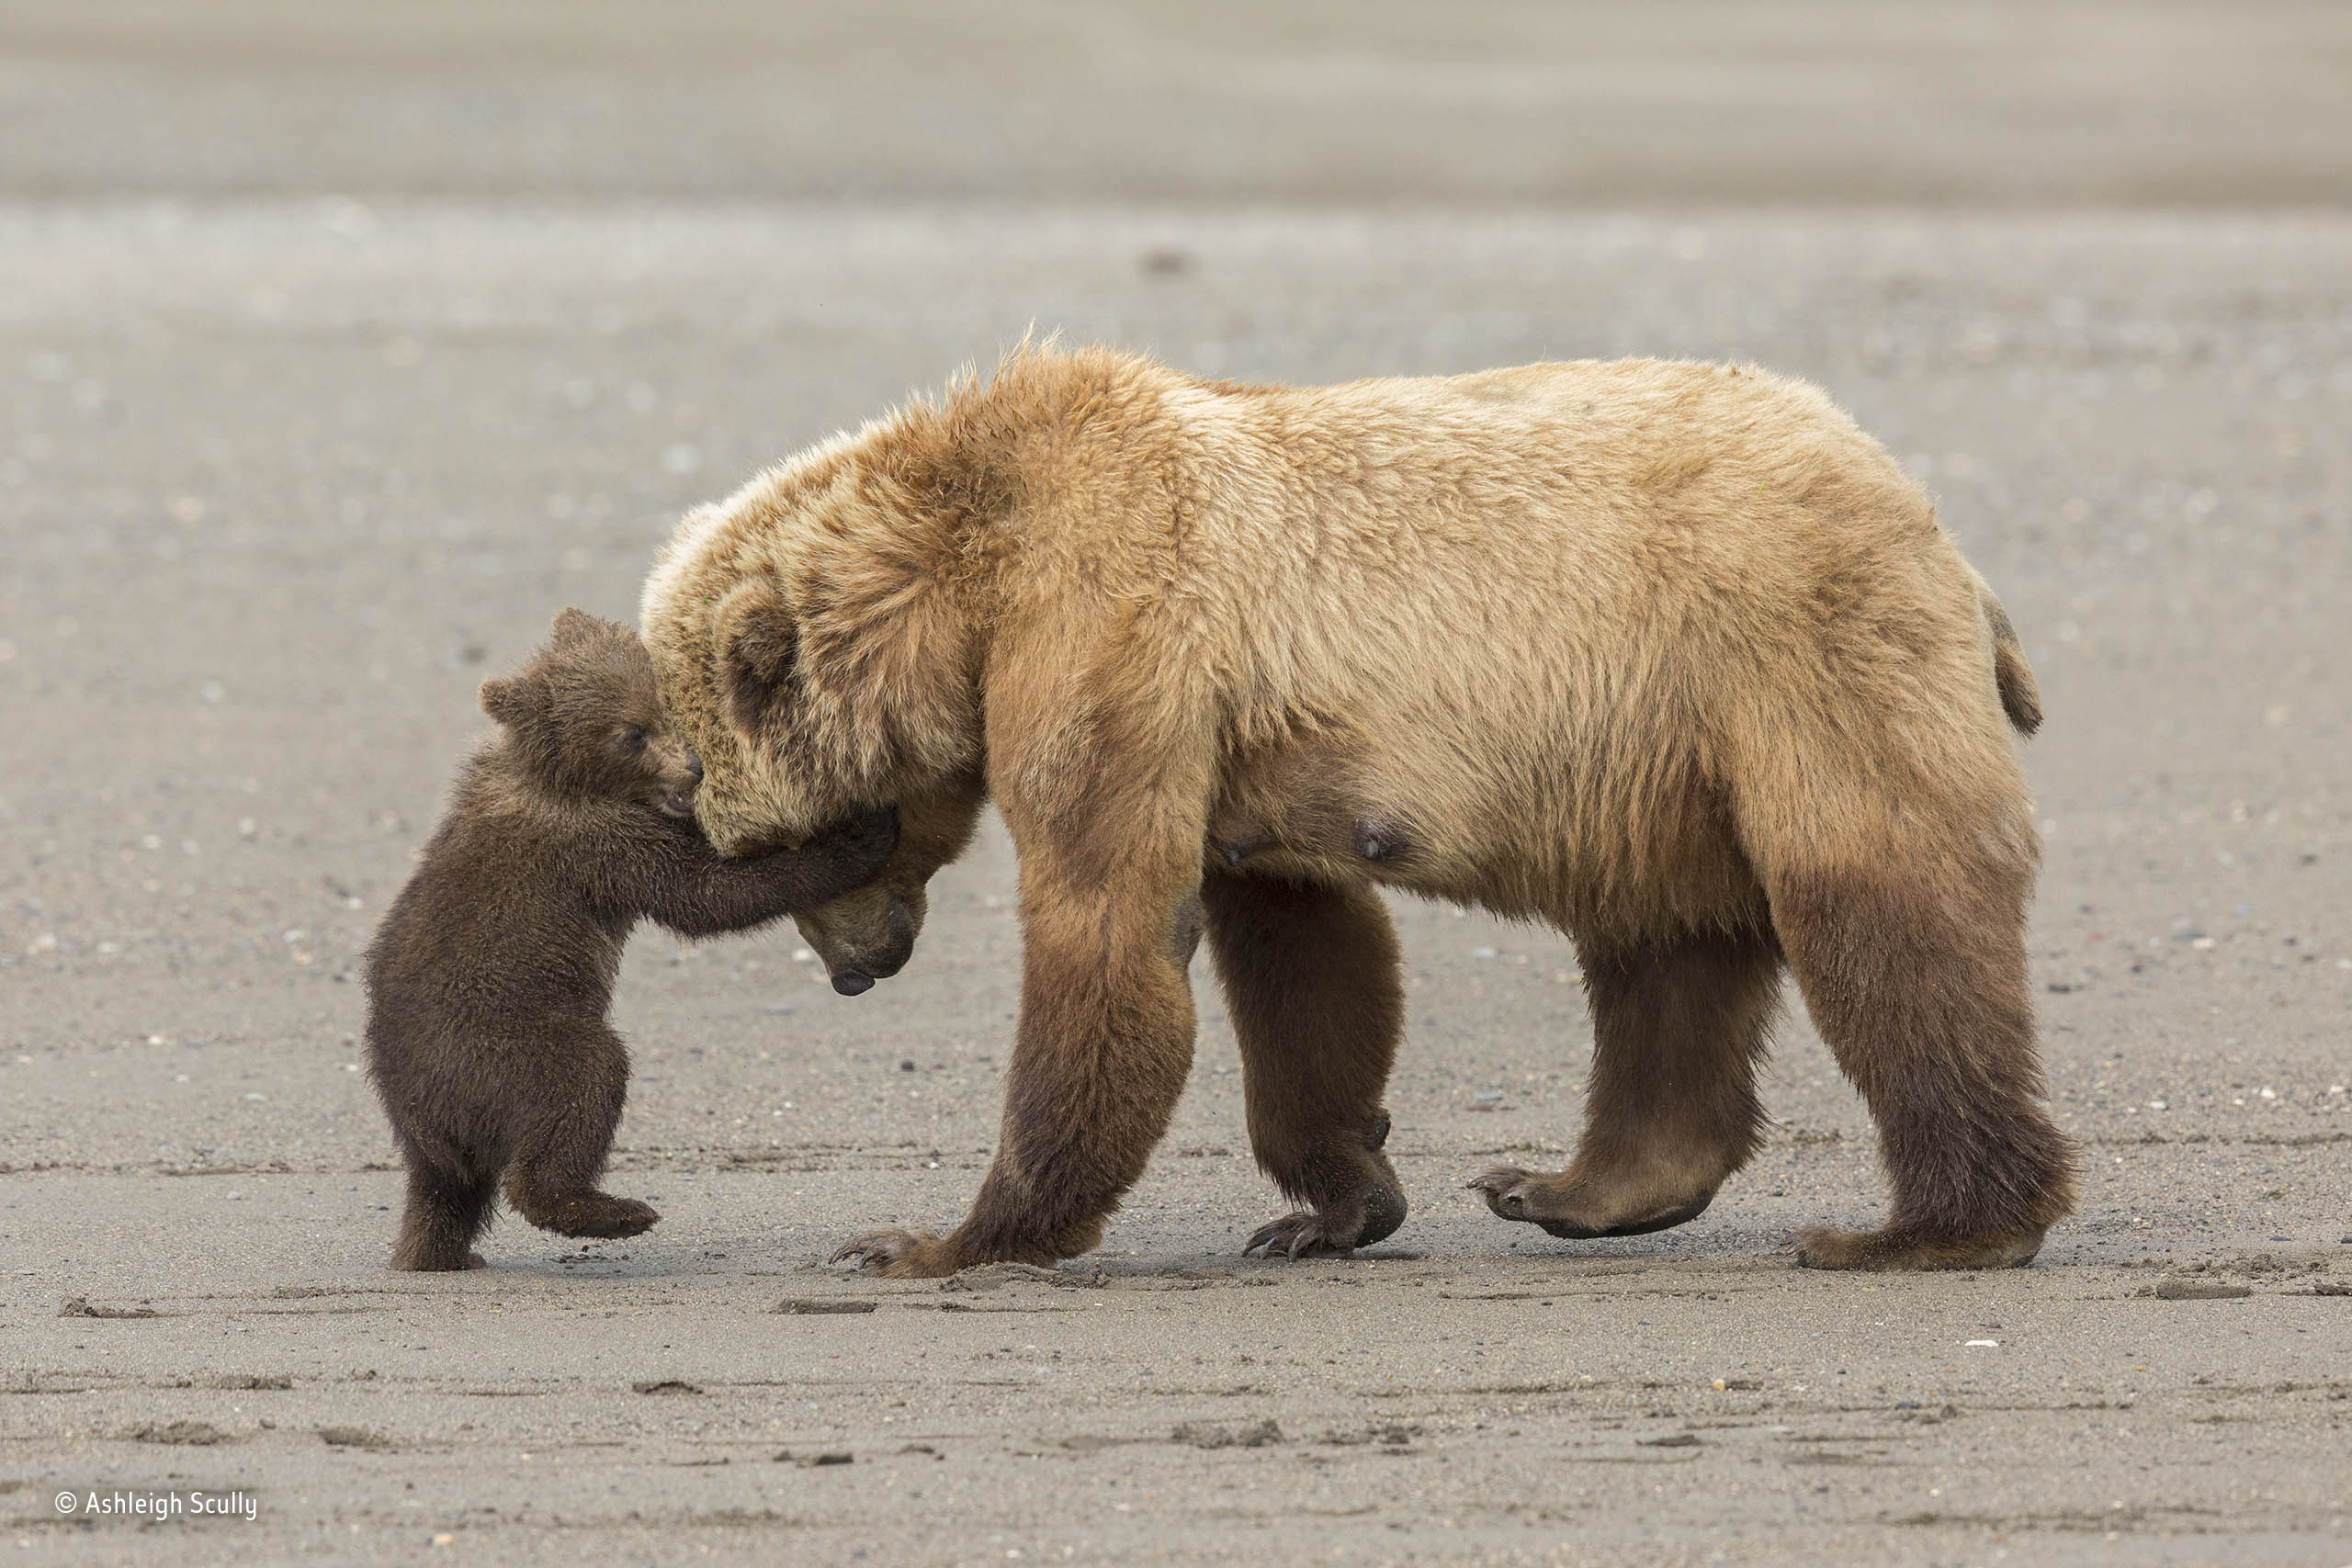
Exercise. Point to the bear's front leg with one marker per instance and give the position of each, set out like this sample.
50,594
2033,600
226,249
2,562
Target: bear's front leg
1104,1044
1313,981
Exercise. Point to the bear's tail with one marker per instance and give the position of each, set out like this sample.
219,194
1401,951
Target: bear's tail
2020,698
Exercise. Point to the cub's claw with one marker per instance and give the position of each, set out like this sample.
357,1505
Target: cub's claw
897,1255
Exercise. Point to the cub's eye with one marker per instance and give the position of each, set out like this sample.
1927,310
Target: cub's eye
631,739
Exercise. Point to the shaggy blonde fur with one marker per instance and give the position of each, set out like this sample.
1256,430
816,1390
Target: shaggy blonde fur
1664,654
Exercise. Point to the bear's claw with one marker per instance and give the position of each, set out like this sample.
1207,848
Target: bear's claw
895,1254
1301,1234
1579,1213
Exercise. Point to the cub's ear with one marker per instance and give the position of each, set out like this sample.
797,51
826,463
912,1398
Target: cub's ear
574,625
759,657
506,698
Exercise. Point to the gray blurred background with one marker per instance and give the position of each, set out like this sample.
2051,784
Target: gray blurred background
341,343
2096,102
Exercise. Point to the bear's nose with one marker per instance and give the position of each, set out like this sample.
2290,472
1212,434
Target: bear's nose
693,765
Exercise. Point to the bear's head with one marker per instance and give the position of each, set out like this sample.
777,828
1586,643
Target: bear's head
814,637
584,719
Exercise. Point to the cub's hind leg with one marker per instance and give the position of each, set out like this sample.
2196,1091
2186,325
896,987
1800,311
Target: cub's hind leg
1311,978
448,1204
567,1133
1679,1030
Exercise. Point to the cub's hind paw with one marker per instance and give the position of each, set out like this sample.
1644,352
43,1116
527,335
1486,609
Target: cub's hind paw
1302,1234
437,1262
898,1255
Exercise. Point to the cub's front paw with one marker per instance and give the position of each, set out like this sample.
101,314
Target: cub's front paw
865,839
599,1216
899,1254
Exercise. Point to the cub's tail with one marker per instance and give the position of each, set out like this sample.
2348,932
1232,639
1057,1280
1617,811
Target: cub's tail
2020,698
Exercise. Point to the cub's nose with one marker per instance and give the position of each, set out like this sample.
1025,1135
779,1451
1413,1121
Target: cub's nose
694,764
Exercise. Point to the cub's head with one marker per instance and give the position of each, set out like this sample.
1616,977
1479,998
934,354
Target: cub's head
584,717
815,639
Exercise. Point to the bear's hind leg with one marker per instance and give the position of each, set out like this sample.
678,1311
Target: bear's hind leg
1920,988
1312,980
556,1163
1679,1028
448,1207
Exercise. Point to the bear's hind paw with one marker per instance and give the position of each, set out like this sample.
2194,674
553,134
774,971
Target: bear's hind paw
1894,1249
1580,1210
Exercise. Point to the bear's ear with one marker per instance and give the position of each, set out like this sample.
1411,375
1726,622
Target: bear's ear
506,698
759,655
574,625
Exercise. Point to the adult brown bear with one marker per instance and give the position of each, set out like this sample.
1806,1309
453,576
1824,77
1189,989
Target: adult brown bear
1670,655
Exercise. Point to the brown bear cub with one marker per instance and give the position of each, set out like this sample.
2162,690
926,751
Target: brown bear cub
488,979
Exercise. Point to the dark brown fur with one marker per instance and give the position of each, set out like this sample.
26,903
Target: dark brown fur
489,976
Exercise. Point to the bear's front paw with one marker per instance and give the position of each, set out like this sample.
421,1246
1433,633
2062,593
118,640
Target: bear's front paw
899,1254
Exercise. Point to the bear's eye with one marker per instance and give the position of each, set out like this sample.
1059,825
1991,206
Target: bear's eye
630,741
